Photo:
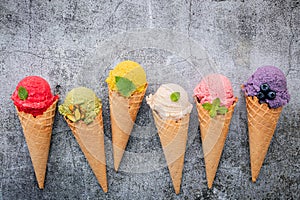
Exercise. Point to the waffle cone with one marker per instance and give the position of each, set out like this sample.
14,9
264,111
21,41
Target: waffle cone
262,122
123,112
173,137
213,135
91,141
37,131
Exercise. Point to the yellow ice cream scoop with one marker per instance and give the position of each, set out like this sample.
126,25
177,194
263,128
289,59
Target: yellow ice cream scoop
126,78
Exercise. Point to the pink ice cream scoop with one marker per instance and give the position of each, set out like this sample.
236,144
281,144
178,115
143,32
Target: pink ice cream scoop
215,86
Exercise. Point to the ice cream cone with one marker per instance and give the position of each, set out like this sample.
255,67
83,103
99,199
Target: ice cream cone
91,141
213,135
262,122
173,137
37,131
123,112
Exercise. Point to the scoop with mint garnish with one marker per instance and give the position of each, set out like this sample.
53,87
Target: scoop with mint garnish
22,93
175,96
125,86
215,108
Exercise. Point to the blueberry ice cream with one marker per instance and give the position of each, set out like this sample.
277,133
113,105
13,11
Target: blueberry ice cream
268,83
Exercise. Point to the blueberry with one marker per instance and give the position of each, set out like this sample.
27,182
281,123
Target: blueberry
264,88
271,95
261,96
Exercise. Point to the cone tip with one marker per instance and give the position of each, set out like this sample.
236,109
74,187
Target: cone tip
41,186
177,190
116,166
105,189
253,179
209,185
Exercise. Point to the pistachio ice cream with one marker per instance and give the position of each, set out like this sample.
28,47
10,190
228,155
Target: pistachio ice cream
81,104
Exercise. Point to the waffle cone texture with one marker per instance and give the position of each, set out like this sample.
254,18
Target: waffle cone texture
91,141
173,137
213,135
123,112
37,131
262,122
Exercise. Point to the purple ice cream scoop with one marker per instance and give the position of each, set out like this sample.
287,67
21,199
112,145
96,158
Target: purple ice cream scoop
268,83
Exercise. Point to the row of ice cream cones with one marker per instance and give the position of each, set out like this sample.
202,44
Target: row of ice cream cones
172,128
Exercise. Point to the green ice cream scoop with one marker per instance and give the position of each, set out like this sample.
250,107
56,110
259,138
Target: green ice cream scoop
81,104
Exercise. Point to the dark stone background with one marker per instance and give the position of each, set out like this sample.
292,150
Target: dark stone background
72,43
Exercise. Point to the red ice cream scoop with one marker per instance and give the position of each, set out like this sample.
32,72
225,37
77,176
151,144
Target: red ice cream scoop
33,95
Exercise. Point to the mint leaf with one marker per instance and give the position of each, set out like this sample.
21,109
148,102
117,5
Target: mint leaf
207,106
125,86
22,93
215,108
117,78
175,96
222,110
212,113
216,102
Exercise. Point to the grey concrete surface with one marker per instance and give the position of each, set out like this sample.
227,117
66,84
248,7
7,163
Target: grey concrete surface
72,43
